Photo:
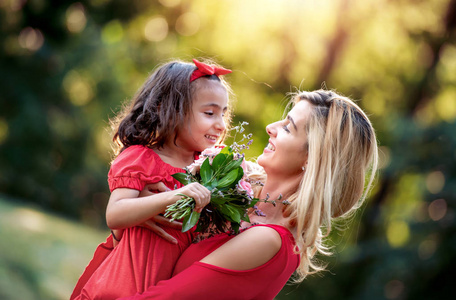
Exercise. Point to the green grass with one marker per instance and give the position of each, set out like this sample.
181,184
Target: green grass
41,255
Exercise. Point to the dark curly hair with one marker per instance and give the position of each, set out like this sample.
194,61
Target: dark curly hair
161,105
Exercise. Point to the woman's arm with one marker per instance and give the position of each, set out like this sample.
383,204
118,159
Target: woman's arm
126,209
250,249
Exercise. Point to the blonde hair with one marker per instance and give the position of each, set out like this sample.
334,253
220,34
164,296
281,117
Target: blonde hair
342,153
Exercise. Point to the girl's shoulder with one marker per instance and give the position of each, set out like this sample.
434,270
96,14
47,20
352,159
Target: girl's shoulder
142,159
137,166
138,155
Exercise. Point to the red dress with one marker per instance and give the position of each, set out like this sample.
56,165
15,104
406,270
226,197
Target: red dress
196,280
141,258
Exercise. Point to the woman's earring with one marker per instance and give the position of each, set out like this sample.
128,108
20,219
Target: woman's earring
303,168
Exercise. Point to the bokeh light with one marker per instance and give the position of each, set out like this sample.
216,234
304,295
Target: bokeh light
397,233
445,104
427,248
437,209
188,24
435,182
3,130
75,18
170,3
394,289
78,88
15,5
112,32
156,29
31,39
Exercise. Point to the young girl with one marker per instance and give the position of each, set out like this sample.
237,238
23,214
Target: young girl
178,112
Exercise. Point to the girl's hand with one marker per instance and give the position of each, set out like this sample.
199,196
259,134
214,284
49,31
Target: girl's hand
198,192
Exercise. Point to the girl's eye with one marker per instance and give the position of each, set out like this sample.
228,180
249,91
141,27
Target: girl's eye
209,113
286,128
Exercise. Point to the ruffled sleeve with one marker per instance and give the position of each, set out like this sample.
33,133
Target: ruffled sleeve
138,166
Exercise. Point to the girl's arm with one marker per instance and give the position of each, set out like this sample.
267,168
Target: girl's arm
153,223
125,209
248,250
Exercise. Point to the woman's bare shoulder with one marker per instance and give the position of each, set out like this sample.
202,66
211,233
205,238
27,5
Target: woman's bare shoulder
249,249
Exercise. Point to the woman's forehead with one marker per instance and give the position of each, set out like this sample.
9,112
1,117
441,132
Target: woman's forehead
300,112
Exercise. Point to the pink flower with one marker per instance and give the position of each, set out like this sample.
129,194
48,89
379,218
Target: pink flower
196,165
245,186
211,152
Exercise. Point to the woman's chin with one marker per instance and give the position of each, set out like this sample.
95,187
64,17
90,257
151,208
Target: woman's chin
260,160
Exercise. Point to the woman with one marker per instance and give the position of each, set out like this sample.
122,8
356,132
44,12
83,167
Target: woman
318,158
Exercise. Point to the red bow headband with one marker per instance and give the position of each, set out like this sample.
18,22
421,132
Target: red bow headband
204,70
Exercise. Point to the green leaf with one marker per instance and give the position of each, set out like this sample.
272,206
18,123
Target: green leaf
190,221
206,172
213,184
228,179
226,150
231,213
182,178
219,161
253,202
235,227
240,174
218,200
245,217
233,164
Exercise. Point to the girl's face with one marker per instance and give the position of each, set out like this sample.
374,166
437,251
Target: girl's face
205,124
286,154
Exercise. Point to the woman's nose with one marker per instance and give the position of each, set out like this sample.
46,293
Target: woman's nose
270,129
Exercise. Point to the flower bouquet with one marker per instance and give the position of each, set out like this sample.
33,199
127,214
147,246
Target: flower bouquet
221,171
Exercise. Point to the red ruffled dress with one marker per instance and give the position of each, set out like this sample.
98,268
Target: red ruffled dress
196,280
142,258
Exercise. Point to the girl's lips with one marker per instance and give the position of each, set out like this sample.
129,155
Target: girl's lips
211,138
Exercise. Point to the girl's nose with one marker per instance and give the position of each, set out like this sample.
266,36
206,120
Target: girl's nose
220,124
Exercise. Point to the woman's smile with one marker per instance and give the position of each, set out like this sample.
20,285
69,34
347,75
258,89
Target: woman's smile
270,147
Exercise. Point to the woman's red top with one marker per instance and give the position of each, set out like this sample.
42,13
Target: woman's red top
196,280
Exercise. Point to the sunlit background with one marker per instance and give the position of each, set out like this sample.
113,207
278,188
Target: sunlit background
66,67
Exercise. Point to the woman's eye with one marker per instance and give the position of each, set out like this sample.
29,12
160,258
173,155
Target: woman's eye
286,128
209,113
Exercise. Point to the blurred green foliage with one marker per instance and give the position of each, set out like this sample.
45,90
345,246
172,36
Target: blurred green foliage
67,67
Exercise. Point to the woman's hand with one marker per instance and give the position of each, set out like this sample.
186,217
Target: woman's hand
152,189
155,224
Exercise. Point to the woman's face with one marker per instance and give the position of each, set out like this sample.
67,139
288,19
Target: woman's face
286,154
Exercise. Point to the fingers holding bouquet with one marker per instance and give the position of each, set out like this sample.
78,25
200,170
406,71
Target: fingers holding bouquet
200,194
